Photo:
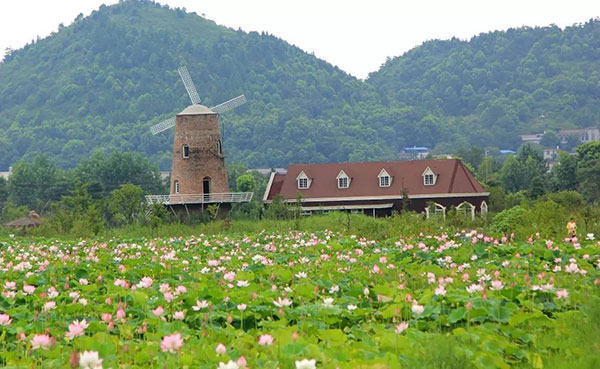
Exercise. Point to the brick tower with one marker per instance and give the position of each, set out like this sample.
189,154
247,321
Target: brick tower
198,174
198,165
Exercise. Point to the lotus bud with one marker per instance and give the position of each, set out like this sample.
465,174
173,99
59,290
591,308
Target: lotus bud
74,361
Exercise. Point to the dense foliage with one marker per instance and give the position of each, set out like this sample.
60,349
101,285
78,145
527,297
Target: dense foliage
300,301
105,79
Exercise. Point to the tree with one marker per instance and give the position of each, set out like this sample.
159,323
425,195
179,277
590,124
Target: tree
245,183
110,172
550,139
564,173
512,174
35,184
3,192
125,204
588,176
536,187
473,156
78,213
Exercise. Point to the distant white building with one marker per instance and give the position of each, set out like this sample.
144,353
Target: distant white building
5,175
583,135
550,153
532,138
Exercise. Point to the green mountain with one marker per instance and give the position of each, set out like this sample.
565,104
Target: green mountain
101,82
104,80
500,84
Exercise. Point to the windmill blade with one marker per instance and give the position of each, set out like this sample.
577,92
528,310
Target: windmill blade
189,85
162,126
228,105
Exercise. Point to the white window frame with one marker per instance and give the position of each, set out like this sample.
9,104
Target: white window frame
176,186
183,147
303,181
340,177
429,178
383,174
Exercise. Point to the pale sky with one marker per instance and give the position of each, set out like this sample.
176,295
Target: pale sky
355,35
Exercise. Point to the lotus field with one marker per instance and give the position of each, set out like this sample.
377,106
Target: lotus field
296,300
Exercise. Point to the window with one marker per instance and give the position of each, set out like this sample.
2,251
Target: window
176,186
385,180
219,147
343,181
185,151
429,179
303,181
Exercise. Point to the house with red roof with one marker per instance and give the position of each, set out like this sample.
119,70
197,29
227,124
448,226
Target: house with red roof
379,188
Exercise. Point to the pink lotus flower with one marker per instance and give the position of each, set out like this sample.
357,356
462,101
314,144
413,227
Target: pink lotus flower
265,340
200,305
497,285
562,294
50,305
5,319
242,307
120,314
42,341
417,309
221,349
106,317
171,343
146,282
76,329
401,327
158,311
11,286
179,315
28,290
241,362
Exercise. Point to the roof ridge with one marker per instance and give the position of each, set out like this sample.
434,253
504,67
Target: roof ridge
453,177
469,176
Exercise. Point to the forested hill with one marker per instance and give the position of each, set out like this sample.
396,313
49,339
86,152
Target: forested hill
499,84
102,81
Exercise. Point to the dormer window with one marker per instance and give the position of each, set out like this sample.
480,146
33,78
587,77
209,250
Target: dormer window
185,151
429,178
343,180
303,181
385,180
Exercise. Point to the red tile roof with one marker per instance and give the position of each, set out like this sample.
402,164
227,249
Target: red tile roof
452,178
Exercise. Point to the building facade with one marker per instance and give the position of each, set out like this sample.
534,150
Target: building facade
379,188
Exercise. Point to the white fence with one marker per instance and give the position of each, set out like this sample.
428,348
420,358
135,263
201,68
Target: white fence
208,198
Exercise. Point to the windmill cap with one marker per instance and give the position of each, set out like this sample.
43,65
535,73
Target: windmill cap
196,109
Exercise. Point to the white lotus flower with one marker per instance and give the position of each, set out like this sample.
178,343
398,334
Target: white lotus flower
328,302
230,365
282,302
306,364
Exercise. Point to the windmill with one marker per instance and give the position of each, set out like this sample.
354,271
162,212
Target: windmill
193,94
198,174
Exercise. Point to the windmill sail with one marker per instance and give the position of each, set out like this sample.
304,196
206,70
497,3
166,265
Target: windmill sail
189,85
228,105
162,126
